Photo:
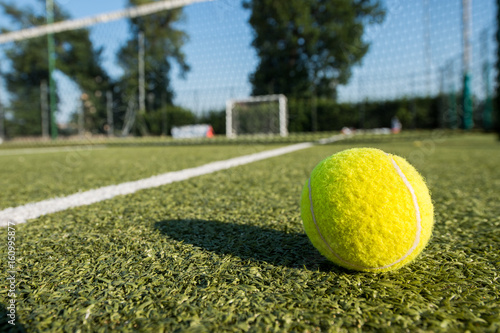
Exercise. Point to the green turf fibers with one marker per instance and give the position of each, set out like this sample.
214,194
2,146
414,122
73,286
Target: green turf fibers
35,177
226,252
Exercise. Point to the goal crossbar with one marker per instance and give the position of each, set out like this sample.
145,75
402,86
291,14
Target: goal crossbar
282,100
131,12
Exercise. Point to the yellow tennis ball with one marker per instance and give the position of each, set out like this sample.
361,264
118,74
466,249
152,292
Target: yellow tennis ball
367,210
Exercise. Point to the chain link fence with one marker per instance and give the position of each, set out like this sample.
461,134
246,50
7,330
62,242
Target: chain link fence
414,70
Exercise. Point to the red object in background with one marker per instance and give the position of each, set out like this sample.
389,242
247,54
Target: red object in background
210,132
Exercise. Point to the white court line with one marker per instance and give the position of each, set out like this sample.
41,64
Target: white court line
23,213
28,151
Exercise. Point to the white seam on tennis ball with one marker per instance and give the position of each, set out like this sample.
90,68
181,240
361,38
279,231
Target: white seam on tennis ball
417,210
417,215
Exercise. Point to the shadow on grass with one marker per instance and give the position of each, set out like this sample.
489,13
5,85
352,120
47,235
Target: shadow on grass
4,322
248,242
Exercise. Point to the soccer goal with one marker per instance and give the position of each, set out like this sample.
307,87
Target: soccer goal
257,115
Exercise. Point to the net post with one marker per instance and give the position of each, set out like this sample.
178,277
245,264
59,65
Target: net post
109,111
2,123
52,65
488,103
283,115
229,118
44,105
141,78
467,94
81,119
164,131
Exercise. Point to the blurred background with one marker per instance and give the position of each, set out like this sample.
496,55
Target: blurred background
358,64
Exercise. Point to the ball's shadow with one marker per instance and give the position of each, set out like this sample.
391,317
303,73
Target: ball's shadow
5,326
247,242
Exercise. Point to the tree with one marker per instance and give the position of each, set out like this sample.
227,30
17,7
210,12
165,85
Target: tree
75,57
79,60
308,47
163,44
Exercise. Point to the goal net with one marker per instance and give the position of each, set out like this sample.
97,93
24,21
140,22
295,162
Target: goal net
257,115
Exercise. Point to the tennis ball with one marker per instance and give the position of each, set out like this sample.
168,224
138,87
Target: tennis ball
367,210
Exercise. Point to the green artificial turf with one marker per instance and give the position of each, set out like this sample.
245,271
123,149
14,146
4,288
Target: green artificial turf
29,176
361,136
226,252
169,141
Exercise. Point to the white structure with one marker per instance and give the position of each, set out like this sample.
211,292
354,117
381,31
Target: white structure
192,131
282,110
130,12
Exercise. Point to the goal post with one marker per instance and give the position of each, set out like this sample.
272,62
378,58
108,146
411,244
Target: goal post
262,119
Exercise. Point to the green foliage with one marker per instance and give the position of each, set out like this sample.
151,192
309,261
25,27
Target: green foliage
81,62
163,43
168,116
29,68
299,115
256,118
308,47
496,115
333,116
215,118
404,115
25,120
75,57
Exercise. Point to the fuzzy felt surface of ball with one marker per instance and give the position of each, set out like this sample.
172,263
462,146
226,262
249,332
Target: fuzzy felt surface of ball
367,210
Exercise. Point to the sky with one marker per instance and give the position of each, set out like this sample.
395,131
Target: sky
416,51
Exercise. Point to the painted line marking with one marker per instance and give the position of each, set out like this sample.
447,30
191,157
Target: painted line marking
23,213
